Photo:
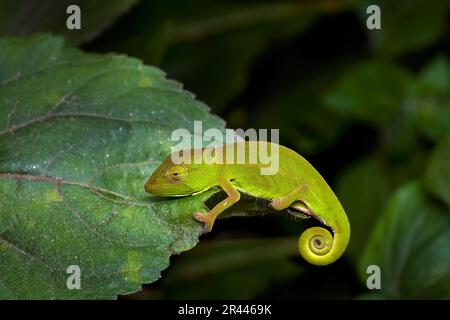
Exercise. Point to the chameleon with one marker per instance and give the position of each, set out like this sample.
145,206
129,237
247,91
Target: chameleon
296,186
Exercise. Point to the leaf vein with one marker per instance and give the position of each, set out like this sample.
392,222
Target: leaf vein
20,250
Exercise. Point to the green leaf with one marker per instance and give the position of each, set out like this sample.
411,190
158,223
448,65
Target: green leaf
79,135
31,16
406,25
438,171
372,92
410,244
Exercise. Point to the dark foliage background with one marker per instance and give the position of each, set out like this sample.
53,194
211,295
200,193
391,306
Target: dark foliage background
369,108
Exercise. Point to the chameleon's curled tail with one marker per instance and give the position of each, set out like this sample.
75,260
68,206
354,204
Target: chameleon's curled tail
319,247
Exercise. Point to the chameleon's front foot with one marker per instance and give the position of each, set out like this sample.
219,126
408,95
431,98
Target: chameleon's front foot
206,218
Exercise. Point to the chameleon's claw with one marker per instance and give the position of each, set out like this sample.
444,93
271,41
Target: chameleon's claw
206,218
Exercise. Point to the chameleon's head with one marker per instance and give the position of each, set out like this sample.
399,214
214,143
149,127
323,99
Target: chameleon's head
173,179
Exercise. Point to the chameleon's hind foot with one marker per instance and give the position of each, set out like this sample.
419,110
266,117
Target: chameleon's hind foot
206,218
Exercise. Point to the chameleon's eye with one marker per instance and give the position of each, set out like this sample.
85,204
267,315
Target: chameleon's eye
176,173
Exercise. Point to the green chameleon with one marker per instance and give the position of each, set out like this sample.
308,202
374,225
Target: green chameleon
296,186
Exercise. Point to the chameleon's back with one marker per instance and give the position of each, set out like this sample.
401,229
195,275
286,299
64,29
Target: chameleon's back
282,171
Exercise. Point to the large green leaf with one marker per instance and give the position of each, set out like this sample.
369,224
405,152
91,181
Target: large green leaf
410,244
30,16
79,135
